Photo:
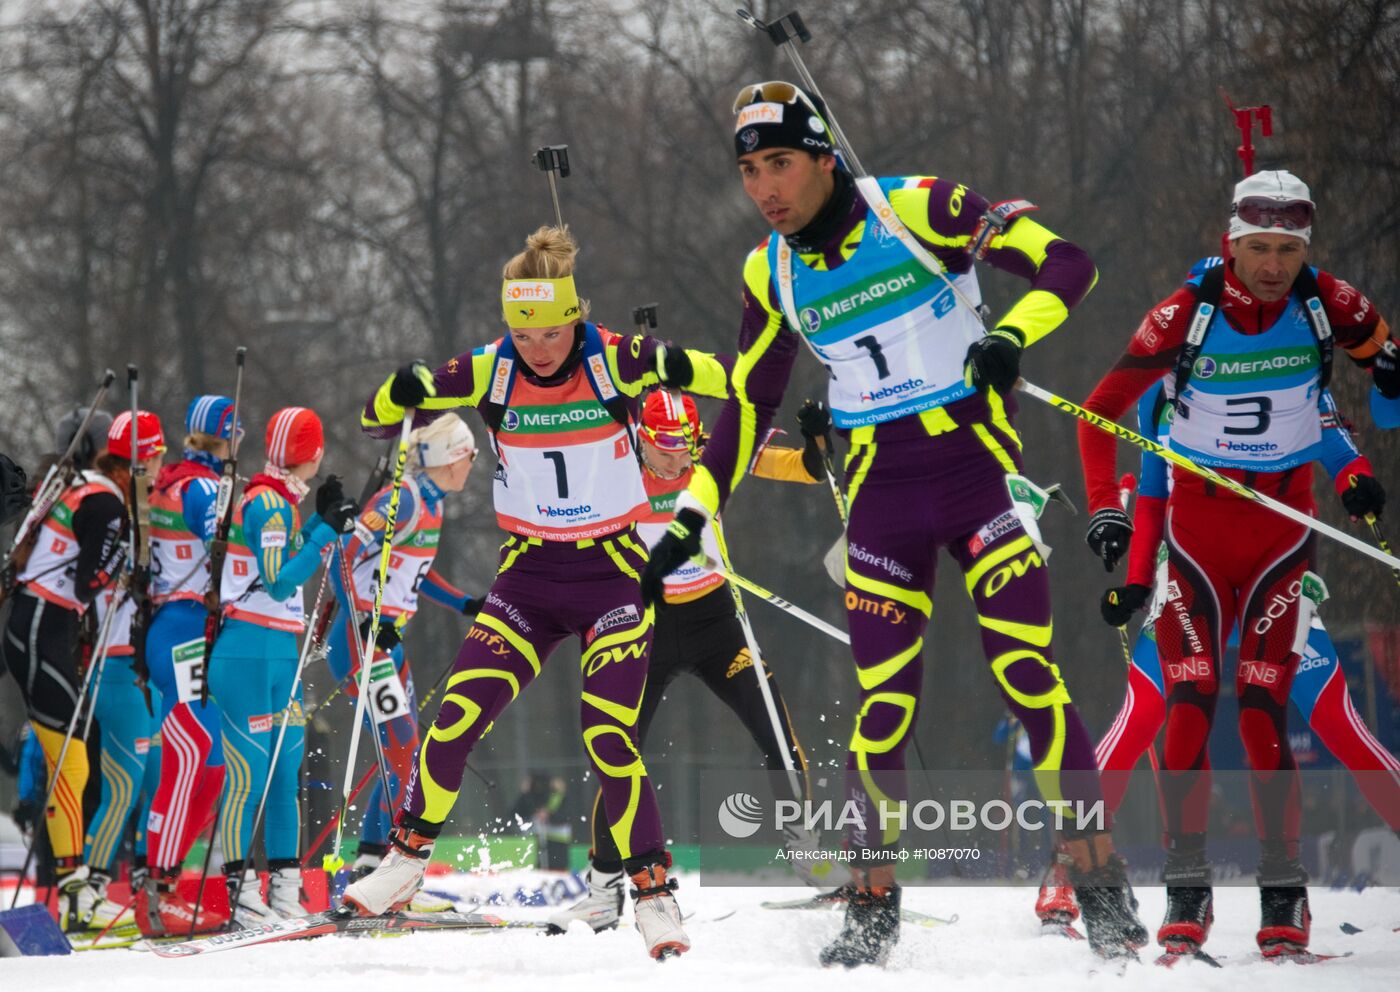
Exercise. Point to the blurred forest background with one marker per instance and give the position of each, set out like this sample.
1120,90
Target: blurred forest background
335,185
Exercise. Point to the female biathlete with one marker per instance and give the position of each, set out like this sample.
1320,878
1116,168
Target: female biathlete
79,551
253,664
1319,690
698,630
192,755
129,746
440,460
559,395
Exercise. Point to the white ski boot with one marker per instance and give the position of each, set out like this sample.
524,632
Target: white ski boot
658,916
801,845
422,902
83,895
600,909
394,883
249,911
284,891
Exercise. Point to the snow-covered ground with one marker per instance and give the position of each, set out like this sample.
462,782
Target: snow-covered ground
995,946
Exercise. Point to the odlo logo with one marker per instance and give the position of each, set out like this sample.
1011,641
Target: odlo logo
1205,367
811,320
740,815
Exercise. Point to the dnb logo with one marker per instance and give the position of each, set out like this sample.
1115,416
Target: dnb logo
811,319
510,421
740,815
1205,367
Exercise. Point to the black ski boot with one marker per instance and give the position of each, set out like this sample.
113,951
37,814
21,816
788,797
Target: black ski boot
871,927
1106,901
1285,922
1190,900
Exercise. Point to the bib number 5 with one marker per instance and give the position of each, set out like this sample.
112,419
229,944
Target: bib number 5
188,661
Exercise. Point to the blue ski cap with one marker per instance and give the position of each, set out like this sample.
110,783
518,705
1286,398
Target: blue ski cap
212,415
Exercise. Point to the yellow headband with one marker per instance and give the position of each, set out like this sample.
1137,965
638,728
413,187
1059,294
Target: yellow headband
539,302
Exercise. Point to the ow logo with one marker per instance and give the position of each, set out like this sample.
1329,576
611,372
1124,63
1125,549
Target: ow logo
997,581
618,654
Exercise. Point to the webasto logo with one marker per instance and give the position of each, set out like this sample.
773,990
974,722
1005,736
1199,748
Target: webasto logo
907,386
869,294
1245,447
563,511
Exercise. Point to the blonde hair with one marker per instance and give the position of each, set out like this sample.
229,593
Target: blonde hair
447,430
549,253
203,442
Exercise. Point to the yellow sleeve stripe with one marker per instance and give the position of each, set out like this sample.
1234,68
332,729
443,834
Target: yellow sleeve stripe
710,379
386,411
1027,237
912,207
703,488
782,465
1035,315
625,387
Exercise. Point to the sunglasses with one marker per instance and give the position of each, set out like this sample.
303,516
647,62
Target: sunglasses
1260,211
778,91
667,440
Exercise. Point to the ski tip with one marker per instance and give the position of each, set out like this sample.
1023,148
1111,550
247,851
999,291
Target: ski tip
1349,929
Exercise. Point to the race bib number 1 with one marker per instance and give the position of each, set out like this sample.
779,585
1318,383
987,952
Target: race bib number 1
387,699
189,670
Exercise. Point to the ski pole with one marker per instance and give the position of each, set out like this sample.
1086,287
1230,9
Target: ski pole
1373,522
333,862
1126,486
277,747
553,159
780,733
778,601
100,651
1210,475
365,658
223,514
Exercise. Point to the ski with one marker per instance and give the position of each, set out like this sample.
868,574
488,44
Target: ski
837,897
334,921
1292,954
1052,928
1350,929
1170,959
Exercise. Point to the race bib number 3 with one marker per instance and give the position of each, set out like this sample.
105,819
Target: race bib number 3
189,670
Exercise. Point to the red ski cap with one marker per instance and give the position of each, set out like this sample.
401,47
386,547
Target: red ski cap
294,437
150,439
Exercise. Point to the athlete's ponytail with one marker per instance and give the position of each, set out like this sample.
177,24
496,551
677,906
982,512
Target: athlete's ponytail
549,253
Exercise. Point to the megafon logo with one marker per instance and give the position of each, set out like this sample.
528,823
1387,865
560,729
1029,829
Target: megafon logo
811,320
740,815
511,420
907,386
1205,367
540,291
563,511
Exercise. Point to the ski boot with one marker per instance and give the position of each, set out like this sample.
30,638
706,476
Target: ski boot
84,904
1190,900
369,858
392,885
1056,905
1106,901
658,916
800,845
600,909
1285,921
248,911
871,927
284,888
161,910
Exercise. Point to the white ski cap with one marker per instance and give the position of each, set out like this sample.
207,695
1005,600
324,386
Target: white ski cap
1278,185
446,440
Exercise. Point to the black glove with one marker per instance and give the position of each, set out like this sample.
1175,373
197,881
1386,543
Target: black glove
27,815
1120,603
1366,496
328,493
411,385
814,420
388,637
995,360
674,367
678,545
1110,530
1385,371
340,516
472,606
